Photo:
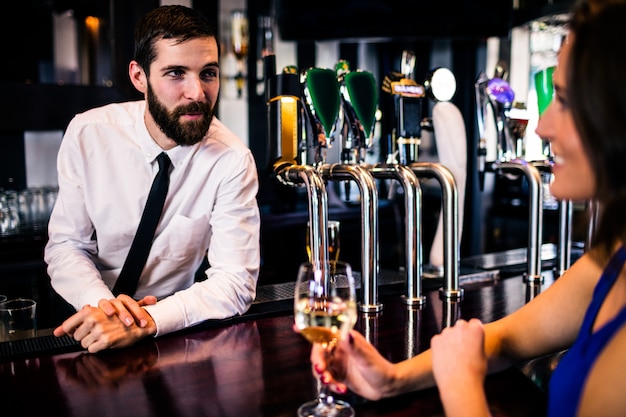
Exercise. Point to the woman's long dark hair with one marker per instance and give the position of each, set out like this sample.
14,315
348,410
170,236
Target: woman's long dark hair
596,82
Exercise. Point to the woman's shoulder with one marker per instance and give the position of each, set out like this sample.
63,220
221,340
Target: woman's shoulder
584,273
602,395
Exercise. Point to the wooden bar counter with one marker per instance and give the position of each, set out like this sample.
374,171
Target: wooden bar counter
253,365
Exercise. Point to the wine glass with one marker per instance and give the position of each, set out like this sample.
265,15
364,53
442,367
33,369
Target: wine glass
325,311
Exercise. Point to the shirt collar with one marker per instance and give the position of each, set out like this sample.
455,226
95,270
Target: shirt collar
150,149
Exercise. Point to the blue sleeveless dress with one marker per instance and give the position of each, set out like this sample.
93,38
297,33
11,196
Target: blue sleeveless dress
568,379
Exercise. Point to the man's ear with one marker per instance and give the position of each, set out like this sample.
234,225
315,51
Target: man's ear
138,76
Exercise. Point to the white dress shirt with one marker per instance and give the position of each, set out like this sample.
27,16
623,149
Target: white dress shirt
106,164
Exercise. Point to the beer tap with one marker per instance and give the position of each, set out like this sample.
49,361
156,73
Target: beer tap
355,124
409,101
359,103
497,95
544,87
283,93
451,139
500,96
480,91
405,109
322,103
451,288
320,98
405,106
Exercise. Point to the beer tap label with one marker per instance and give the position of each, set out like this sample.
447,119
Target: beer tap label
407,88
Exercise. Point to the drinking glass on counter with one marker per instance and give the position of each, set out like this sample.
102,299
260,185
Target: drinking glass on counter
325,311
26,210
18,319
9,213
35,206
333,240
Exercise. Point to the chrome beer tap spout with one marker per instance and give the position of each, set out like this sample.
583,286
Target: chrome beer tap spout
593,210
413,226
450,212
566,214
369,231
317,205
535,220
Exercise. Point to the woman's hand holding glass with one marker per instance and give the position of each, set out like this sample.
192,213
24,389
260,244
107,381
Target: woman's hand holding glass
325,311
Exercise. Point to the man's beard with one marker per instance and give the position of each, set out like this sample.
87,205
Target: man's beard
185,133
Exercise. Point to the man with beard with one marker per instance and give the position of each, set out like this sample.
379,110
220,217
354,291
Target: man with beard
106,165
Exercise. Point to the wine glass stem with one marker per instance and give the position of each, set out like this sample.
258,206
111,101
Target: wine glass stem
326,402
324,395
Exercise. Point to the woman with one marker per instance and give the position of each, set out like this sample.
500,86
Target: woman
584,311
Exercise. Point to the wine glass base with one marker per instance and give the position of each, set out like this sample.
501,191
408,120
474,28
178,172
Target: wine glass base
317,408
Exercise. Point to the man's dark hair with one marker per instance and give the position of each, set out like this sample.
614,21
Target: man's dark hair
168,22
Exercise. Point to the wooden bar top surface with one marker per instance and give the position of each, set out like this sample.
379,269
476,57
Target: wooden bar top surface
255,366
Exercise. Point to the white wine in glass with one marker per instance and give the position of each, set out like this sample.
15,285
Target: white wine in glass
325,311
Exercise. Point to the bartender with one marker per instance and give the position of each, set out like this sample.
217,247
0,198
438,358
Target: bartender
126,287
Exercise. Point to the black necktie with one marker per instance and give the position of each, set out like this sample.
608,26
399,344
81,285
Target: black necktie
139,250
